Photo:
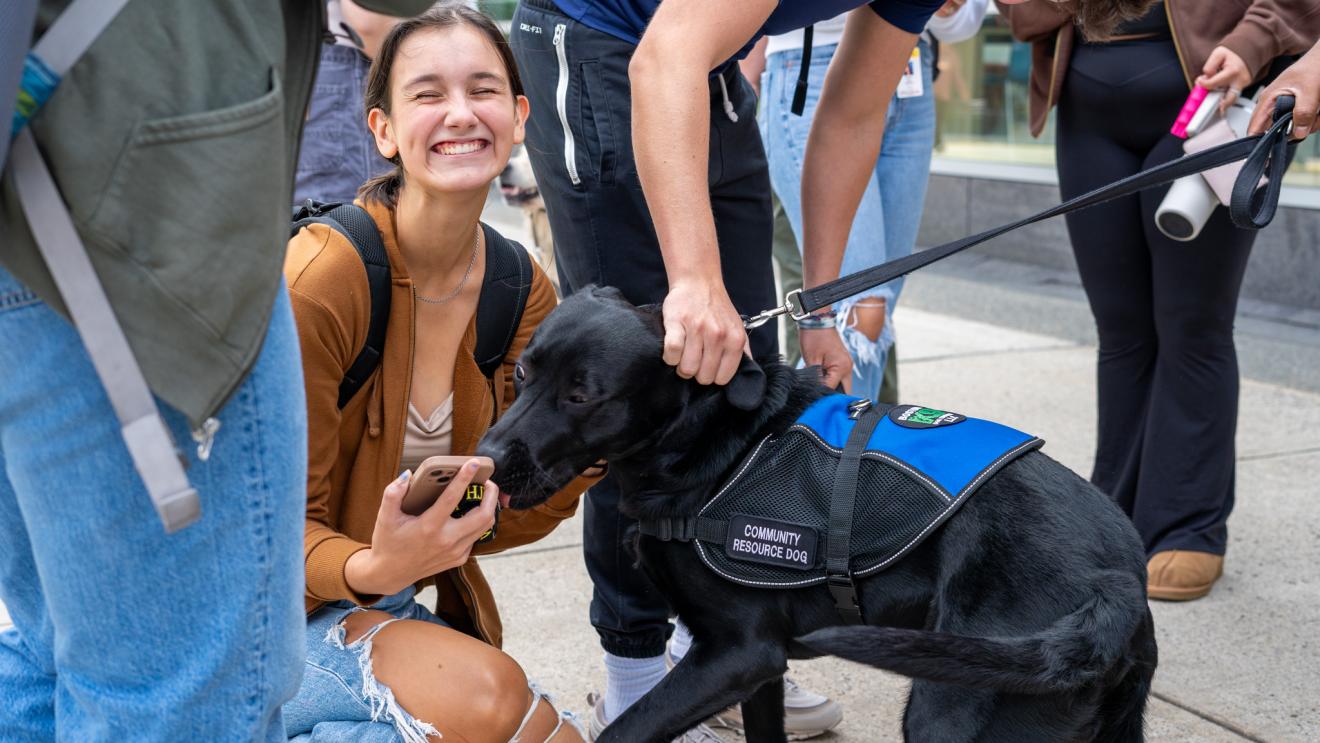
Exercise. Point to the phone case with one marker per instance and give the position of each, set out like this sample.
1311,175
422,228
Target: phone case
434,475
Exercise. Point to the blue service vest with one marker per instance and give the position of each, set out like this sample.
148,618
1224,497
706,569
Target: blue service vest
767,526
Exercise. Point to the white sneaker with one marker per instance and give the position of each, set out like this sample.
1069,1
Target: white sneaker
806,713
699,734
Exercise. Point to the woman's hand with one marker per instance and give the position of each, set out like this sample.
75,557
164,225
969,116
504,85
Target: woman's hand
405,549
1225,69
1302,82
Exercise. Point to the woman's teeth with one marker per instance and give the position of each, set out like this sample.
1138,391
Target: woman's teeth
459,148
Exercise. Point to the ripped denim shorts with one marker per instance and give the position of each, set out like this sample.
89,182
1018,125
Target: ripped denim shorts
340,698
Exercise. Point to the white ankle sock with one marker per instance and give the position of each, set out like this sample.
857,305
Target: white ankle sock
680,641
627,679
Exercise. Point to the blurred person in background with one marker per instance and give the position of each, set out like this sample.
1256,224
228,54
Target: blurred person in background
1167,378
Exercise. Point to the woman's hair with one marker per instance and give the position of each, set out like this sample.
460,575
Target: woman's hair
1097,19
450,14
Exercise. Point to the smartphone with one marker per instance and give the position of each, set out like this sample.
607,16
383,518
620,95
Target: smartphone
434,474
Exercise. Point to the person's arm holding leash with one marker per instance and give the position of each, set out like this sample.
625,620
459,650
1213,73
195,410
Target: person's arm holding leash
1302,82
841,153
670,73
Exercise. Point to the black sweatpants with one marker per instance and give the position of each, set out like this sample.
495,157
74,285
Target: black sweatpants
1168,374
580,145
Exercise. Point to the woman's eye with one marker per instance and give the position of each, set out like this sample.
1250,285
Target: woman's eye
484,91
426,95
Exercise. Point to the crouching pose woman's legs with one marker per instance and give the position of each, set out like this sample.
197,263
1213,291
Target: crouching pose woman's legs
445,104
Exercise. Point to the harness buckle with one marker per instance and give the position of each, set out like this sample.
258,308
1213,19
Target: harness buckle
857,407
845,597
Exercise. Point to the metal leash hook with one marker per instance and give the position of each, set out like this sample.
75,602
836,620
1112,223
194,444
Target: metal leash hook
792,307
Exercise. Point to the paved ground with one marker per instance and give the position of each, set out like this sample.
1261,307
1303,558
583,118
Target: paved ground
998,342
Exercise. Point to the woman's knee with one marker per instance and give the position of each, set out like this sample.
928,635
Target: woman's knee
455,682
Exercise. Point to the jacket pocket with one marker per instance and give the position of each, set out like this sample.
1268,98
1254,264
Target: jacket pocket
200,200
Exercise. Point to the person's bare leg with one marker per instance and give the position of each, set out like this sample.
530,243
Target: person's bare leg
868,316
470,691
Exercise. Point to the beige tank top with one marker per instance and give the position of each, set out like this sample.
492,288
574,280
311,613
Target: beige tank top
428,437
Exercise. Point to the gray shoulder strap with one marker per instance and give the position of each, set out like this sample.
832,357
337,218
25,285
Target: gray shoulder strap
74,31
145,433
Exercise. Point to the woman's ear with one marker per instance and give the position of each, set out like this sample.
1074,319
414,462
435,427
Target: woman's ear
522,108
379,124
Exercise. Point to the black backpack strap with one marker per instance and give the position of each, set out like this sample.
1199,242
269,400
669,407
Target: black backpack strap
843,498
504,293
356,224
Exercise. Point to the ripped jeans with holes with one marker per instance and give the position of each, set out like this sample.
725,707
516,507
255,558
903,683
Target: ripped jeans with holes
340,698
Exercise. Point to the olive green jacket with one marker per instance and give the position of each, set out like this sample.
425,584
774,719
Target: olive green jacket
174,141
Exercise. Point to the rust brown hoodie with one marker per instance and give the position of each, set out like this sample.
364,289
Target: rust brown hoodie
355,453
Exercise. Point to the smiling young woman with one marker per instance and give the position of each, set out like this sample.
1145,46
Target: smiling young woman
444,103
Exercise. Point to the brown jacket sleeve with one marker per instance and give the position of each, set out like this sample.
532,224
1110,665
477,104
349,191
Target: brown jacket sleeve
329,336
517,528
1273,28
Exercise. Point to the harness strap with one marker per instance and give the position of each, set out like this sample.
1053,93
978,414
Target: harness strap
843,498
685,529
804,71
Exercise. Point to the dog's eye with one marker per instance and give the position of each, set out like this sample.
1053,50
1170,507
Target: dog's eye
519,376
577,398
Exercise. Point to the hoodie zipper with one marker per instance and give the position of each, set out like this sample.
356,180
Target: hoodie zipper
561,105
477,618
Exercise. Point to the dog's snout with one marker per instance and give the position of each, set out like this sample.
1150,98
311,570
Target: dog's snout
498,453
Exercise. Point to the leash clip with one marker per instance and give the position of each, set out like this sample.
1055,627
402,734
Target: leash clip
792,307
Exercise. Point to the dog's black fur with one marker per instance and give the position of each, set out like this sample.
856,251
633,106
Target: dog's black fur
1023,618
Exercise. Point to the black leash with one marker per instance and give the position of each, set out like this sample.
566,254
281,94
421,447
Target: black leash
1250,208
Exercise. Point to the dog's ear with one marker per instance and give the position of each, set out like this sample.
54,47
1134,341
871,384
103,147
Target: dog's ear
747,388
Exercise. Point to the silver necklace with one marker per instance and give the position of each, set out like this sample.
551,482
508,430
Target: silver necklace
476,242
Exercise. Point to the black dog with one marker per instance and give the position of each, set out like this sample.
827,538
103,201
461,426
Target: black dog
1023,618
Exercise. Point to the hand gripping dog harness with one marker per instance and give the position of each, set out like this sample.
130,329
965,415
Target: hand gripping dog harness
845,492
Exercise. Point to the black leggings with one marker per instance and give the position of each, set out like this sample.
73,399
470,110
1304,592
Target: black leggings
1168,374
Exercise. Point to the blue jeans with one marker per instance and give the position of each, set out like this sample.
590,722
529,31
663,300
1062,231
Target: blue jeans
889,214
340,699
122,632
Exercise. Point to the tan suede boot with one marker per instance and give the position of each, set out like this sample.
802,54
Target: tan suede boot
1182,575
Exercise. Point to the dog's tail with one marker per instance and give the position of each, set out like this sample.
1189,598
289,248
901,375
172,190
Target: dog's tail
1076,650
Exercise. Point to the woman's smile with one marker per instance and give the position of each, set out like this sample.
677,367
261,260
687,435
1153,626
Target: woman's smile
459,147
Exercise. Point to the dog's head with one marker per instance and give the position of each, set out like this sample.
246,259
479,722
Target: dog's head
517,184
592,386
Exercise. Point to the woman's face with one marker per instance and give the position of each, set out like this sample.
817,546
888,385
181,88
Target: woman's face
453,117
